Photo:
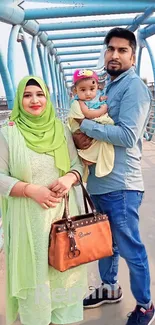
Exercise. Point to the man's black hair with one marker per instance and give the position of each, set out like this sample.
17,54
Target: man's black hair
122,33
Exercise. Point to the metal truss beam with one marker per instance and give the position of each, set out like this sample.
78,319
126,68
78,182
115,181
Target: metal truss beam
147,31
82,66
94,23
141,19
75,52
75,44
76,35
89,8
79,58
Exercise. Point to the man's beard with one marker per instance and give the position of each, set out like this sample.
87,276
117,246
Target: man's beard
115,73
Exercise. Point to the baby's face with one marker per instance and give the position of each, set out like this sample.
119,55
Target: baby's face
86,89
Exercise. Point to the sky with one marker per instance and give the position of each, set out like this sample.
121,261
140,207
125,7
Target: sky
20,64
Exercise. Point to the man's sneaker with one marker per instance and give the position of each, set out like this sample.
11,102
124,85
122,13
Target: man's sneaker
141,316
102,296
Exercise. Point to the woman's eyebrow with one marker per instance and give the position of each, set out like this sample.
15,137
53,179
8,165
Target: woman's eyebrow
38,92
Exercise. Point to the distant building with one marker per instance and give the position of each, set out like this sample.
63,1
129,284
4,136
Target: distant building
3,103
151,86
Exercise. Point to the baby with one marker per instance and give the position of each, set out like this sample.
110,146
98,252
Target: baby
87,92
89,104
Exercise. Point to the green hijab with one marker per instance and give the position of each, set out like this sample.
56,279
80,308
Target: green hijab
43,133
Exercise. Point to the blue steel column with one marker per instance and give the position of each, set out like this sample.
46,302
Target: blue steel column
151,57
39,48
27,55
139,61
62,89
11,53
64,92
6,82
53,78
46,65
34,52
66,95
142,35
57,72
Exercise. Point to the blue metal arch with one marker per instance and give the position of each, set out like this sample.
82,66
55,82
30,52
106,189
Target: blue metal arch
7,82
11,52
61,48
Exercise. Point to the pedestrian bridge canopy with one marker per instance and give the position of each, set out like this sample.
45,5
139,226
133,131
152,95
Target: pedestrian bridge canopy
57,37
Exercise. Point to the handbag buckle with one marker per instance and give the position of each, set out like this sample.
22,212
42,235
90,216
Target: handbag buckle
69,224
74,253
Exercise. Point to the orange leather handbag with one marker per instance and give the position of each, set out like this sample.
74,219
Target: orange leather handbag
79,239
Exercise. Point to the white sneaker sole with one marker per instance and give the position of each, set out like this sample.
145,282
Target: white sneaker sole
105,302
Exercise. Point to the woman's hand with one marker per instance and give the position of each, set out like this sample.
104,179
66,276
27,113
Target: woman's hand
43,196
62,185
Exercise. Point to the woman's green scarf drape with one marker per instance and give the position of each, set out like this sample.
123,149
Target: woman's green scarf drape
43,133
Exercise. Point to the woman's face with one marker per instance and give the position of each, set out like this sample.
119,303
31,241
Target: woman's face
34,100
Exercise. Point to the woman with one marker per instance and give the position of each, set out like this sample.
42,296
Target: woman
36,156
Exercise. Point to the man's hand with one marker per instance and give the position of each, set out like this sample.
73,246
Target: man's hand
81,140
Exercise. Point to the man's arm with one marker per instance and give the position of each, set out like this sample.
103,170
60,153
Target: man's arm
134,109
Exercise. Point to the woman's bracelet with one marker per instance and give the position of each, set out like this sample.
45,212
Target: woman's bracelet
24,188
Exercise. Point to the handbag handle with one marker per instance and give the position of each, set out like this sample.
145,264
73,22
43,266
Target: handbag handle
74,251
86,198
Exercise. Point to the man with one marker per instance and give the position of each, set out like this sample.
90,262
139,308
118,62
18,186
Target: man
120,193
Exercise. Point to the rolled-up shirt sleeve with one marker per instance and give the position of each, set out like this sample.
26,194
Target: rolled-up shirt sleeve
133,113
6,181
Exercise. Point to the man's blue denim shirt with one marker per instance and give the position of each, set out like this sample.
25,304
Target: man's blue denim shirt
128,105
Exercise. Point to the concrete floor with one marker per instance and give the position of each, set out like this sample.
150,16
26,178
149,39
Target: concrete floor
116,314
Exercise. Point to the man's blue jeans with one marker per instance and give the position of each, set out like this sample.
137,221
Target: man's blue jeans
122,209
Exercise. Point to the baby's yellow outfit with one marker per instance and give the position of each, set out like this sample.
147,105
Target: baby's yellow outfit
100,153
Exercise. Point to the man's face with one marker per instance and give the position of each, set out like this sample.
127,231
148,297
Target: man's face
119,57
